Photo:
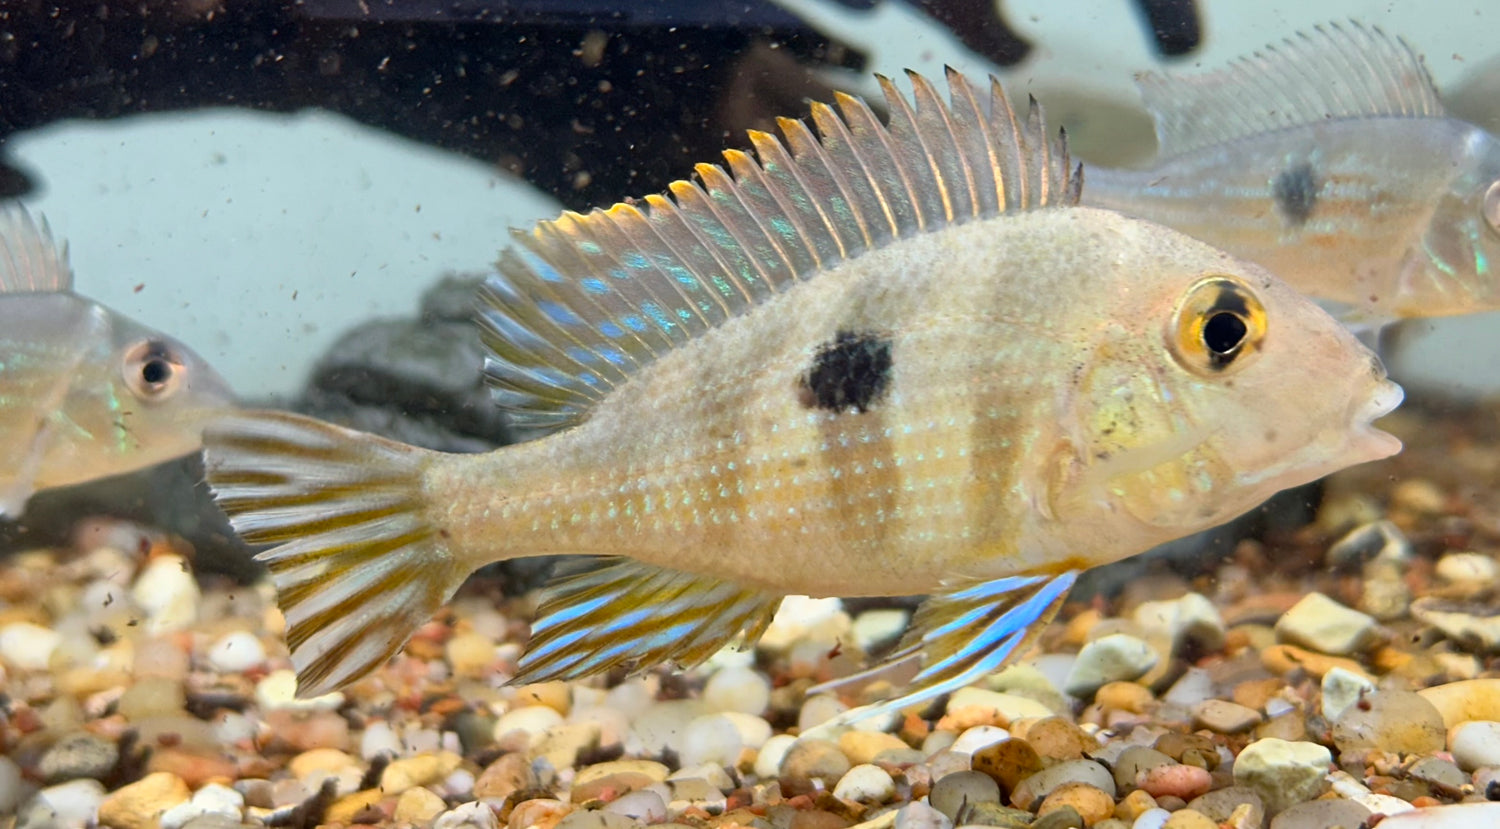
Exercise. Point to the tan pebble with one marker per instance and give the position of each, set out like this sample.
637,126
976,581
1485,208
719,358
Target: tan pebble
418,806
609,787
1076,631
1291,726
471,655
84,681
140,804
1420,496
542,813
1189,819
555,695
509,773
1255,693
1007,762
347,807
1185,748
194,767
652,769
1125,696
1471,699
152,697
816,819
1283,659
329,760
1134,805
1186,782
1224,717
304,731
1244,816
865,746
420,770
808,760
1388,659
1092,803
1056,739
562,744
959,720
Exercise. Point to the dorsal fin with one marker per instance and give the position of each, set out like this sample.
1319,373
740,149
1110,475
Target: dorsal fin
582,302
30,261
1336,70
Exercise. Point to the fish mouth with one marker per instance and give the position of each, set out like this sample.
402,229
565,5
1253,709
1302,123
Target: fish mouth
1370,443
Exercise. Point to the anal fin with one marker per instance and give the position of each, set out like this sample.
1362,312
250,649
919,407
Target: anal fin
964,635
623,612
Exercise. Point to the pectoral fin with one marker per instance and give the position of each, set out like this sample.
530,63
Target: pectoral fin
966,634
623,612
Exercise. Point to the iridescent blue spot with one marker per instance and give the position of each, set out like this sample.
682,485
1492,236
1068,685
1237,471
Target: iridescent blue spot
582,355
614,355
633,322
636,261
591,248
560,314
611,330
539,266
594,285
658,316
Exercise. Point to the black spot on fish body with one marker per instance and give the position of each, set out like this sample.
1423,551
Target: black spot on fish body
1296,193
851,371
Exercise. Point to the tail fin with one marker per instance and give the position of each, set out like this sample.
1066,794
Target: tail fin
359,566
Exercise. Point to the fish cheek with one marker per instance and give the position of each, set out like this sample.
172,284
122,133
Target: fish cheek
849,373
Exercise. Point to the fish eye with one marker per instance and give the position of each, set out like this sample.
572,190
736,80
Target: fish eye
1490,207
1218,324
152,370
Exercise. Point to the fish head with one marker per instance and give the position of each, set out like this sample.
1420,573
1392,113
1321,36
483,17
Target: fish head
138,398
1212,387
1455,266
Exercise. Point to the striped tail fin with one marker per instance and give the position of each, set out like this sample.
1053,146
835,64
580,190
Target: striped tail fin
358,565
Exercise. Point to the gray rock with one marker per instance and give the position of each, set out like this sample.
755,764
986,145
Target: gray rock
959,790
1220,804
78,756
1116,657
1322,814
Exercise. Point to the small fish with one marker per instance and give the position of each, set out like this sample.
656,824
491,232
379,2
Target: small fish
875,361
1329,160
85,392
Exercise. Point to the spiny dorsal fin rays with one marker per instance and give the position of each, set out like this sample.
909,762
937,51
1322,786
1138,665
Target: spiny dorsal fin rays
1335,70
581,303
30,260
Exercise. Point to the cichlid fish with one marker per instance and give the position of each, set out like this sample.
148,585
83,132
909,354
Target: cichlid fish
878,361
1329,160
85,392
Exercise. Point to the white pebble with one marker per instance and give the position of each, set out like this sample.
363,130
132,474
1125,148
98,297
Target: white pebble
28,647
642,805
232,727
919,815
236,652
737,689
212,799
74,803
801,616
973,739
874,627
1449,816
818,709
278,689
1151,819
768,759
460,783
1113,658
1468,568
168,593
633,696
1010,706
379,738
468,816
1476,744
754,731
1324,625
11,788
1341,689
664,725
713,773
1194,686
712,738
532,720
865,783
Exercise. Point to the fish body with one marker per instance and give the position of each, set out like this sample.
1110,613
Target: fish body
887,360
1330,161
85,392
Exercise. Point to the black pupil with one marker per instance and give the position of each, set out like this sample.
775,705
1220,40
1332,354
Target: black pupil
1223,333
156,371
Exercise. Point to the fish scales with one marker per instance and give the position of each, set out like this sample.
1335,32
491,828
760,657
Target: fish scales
879,360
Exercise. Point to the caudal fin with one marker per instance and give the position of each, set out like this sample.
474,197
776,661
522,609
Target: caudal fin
358,565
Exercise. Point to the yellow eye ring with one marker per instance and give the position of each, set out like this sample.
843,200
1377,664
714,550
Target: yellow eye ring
1218,326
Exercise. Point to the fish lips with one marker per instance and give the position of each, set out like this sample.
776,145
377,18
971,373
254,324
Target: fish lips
1369,443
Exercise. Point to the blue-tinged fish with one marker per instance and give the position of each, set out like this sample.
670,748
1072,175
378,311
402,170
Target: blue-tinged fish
881,360
1329,160
84,391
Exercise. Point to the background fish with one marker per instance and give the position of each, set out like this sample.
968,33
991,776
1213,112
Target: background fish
84,392
1329,160
880,361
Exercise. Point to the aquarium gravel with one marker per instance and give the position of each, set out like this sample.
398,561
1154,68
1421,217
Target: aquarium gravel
1337,675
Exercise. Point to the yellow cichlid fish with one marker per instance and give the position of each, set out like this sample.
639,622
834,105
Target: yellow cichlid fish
85,392
879,361
1329,160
